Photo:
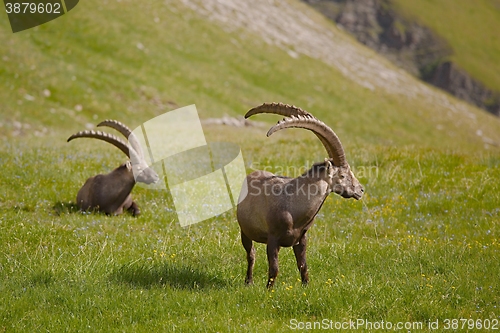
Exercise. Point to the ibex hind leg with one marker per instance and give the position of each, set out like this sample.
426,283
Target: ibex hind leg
272,257
248,245
300,256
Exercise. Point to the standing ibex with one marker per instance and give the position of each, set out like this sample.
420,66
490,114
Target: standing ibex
110,193
279,210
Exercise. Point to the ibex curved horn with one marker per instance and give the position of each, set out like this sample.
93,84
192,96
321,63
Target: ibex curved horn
302,119
331,141
123,129
285,110
110,138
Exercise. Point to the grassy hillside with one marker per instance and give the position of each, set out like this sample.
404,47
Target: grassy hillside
471,28
116,61
421,246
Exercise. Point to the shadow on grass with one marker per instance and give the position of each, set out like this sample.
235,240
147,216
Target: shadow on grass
61,208
65,208
166,274
42,277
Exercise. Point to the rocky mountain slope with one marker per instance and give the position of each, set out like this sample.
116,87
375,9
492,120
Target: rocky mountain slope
410,45
115,61
286,24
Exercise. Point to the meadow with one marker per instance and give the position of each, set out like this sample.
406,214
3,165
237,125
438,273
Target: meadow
422,245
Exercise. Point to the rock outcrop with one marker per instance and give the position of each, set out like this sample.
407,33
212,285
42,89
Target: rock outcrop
455,80
414,47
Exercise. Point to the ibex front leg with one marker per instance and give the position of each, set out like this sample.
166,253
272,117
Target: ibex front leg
134,209
131,206
272,257
300,255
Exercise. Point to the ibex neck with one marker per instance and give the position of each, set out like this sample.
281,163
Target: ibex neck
306,195
122,181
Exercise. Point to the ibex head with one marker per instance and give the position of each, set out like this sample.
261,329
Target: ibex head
343,181
137,164
346,184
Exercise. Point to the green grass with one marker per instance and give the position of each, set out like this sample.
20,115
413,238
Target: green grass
421,245
470,27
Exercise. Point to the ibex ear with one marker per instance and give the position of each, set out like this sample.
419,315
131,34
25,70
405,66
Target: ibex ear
330,169
129,165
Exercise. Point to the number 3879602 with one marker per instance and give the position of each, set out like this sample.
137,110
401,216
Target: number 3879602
32,8
471,324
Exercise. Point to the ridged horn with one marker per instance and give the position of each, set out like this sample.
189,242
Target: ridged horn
299,117
331,141
123,129
110,138
285,110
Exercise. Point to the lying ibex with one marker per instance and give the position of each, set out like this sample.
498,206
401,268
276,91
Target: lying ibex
279,210
110,193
